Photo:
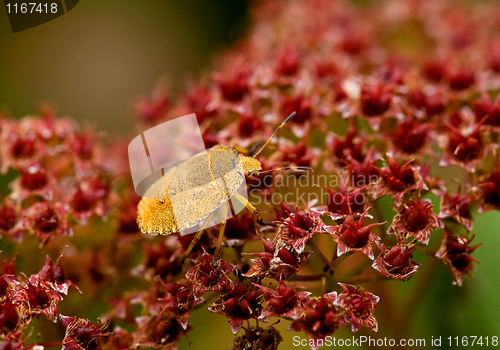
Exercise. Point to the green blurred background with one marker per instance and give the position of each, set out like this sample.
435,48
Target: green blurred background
93,62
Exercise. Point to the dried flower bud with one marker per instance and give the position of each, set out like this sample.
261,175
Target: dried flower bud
283,302
415,218
319,317
82,334
359,306
375,100
455,251
353,235
239,304
258,338
396,262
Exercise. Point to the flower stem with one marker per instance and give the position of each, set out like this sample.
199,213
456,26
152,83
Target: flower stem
320,254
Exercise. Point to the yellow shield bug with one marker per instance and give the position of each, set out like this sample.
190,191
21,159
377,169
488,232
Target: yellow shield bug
194,186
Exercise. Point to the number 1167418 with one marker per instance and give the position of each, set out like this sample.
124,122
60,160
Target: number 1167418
473,341
31,7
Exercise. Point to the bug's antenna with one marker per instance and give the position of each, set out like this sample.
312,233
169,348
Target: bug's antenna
290,117
254,148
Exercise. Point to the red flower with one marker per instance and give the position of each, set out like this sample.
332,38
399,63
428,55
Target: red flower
258,338
490,189
201,101
461,78
11,323
455,251
434,69
338,92
46,220
298,154
301,105
319,317
287,62
361,174
326,69
127,222
159,260
207,277
248,124
38,297
34,181
282,302
234,86
279,260
240,229
409,136
347,147
359,306
354,235
485,107
162,330
20,149
396,262
494,58
457,207
344,201
375,100
239,304
81,334
13,345
299,227
82,145
154,109
91,198
435,103
415,218
180,300
247,129
465,148
9,220
54,276
353,42
400,179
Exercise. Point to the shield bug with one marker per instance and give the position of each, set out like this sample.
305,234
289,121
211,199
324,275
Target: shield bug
189,193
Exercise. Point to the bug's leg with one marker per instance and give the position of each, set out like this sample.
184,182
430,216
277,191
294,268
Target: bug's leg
195,240
254,210
241,150
219,242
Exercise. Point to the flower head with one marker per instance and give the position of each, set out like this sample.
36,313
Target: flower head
258,338
359,306
415,218
299,227
82,334
354,235
319,317
282,302
207,277
238,304
396,262
455,251
180,300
